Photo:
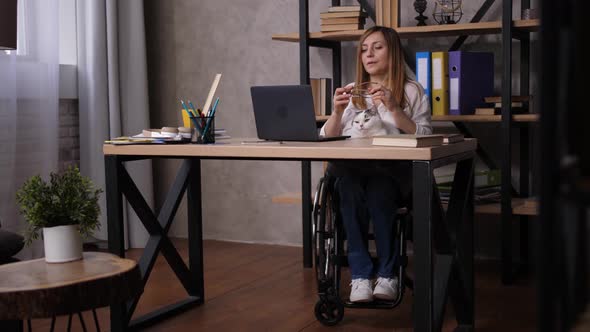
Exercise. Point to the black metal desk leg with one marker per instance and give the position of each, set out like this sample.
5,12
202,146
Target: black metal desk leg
195,228
116,240
306,208
423,282
460,214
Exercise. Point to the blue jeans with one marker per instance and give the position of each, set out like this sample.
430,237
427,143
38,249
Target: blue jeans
375,197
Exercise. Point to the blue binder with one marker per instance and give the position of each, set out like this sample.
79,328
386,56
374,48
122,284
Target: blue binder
423,64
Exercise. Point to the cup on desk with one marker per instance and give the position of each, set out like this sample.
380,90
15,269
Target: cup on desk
205,134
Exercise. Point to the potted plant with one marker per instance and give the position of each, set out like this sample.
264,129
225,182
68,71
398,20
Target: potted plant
66,209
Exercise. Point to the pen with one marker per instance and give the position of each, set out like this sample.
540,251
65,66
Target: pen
193,109
214,107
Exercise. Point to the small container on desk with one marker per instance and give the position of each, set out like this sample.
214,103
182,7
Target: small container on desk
204,132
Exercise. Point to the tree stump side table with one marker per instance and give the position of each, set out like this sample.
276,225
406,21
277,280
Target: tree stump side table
36,289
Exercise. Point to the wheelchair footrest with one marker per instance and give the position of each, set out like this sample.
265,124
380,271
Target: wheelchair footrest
376,304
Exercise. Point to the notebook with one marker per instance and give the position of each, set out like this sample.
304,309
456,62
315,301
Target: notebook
286,113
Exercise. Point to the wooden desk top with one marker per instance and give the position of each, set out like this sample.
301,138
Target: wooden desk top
35,288
360,148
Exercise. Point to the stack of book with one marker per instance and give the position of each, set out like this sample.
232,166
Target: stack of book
342,18
387,13
321,89
520,105
486,186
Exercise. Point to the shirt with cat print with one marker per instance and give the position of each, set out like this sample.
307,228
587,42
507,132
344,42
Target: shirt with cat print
417,108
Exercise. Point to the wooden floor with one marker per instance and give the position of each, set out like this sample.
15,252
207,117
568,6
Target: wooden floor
250,287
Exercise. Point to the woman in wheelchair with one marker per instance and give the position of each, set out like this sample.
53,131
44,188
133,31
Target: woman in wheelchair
385,95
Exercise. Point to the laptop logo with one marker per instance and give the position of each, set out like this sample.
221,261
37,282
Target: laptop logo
282,112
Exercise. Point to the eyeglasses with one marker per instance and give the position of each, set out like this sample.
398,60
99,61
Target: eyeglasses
362,90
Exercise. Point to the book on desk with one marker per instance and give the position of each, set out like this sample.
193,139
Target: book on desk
417,141
410,141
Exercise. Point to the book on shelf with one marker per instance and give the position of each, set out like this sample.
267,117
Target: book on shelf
481,195
321,90
335,9
485,111
487,195
481,179
342,20
453,138
498,99
342,14
387,13
512,104
497,110
412,141
341,27
315,92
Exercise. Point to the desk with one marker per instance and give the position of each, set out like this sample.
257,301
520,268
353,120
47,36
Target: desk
36,289
443,242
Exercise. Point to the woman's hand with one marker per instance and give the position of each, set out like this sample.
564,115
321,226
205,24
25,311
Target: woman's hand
381,94
341,99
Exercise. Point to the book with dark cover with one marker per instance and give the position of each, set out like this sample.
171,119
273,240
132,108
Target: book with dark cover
452,138
412,141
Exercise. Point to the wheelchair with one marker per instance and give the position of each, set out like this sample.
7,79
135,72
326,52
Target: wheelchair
329,255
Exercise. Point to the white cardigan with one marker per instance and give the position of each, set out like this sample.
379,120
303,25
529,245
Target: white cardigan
417,109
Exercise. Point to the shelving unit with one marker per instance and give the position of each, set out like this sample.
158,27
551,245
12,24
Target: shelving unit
466,118
429,31
519,206
509,29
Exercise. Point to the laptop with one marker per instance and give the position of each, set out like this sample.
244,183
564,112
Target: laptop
286,113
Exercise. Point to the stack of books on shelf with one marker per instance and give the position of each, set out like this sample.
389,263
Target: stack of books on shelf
321,89
342,18
387,13
520,105
486,186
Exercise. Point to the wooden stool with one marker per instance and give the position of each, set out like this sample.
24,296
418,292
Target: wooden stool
36,289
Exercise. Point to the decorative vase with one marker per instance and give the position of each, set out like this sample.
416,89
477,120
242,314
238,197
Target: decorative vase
420,7
62,244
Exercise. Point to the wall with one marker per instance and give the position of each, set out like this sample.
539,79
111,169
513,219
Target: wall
189,41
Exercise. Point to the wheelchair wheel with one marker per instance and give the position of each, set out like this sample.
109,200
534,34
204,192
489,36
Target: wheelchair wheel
324,239
329,311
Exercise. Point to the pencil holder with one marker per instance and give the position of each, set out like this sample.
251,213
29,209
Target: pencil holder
204,132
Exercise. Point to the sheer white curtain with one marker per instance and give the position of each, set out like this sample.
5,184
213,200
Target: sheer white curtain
29,101
112,88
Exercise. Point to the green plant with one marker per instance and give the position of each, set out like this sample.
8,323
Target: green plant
68,199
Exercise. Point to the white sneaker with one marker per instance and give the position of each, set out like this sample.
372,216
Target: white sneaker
386,289
360,290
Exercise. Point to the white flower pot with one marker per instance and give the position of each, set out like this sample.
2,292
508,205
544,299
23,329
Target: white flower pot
62,244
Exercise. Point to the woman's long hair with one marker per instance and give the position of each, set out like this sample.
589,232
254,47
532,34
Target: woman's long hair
396,77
